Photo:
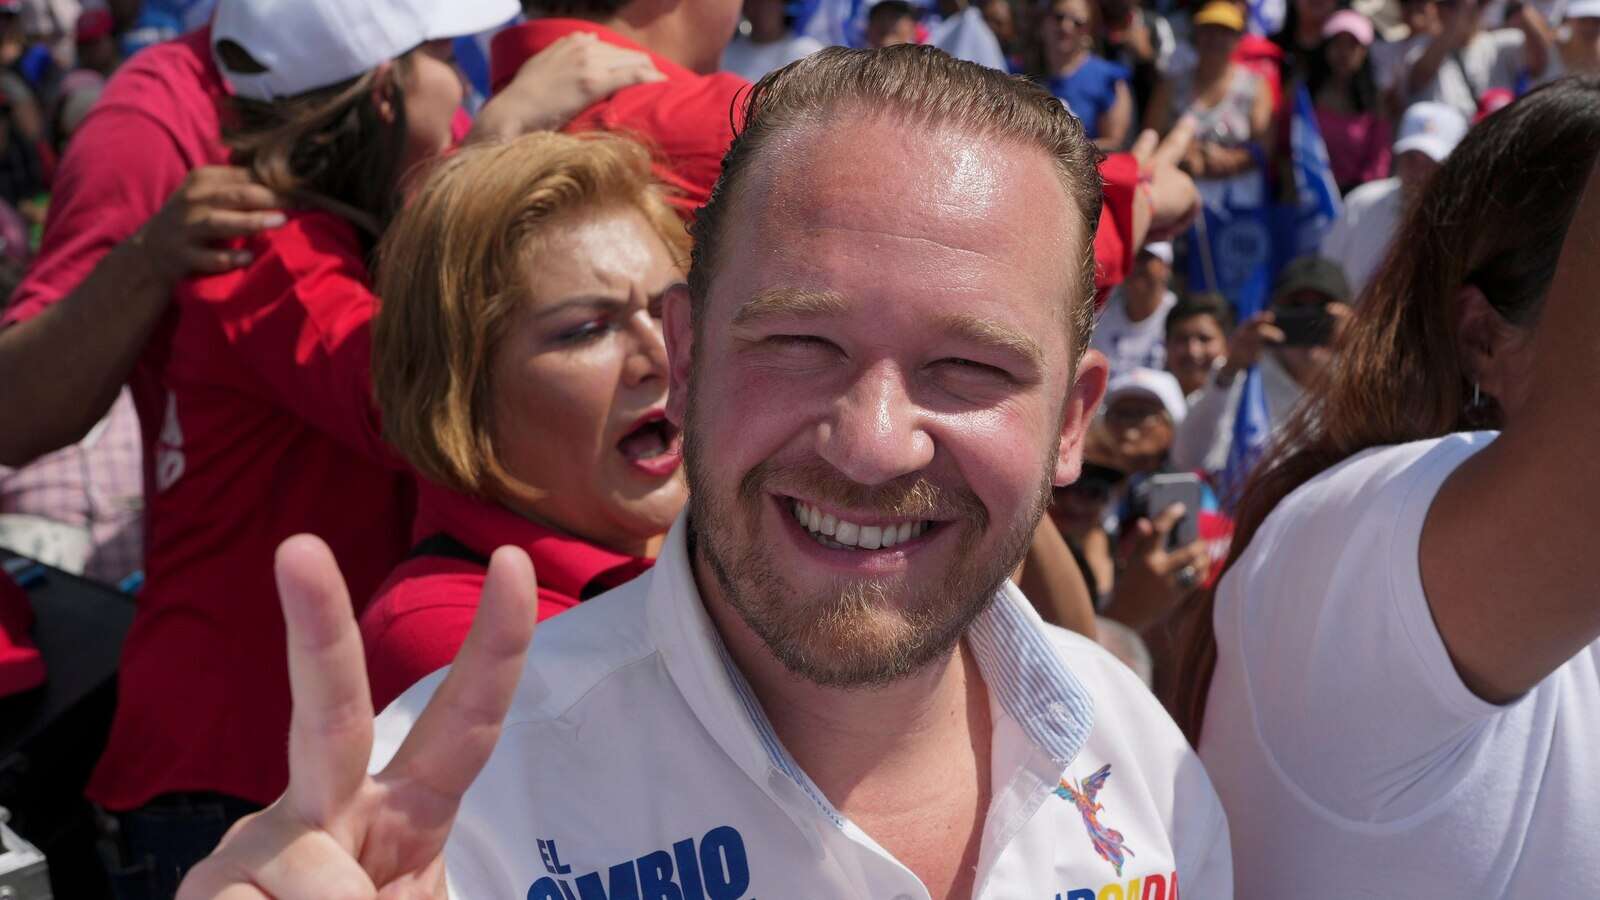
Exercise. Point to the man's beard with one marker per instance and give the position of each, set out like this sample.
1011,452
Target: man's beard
858,632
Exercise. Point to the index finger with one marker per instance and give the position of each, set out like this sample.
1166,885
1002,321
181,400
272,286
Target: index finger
455,734
1176,144
1145,146
330,730
1169,518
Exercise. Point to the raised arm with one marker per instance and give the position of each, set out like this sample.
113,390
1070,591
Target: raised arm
1508,550
1458,29
61,367
1537,40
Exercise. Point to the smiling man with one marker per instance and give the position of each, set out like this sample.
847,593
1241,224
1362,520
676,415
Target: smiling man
826,687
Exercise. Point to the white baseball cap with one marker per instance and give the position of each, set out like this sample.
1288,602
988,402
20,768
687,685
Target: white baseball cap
1433,128
1161,250
1163,386
310,44
1582,9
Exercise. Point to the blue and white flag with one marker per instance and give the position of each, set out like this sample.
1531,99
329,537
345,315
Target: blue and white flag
1317,192
833,22
1232,251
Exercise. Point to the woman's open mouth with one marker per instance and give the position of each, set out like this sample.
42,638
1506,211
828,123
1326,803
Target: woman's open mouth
654,446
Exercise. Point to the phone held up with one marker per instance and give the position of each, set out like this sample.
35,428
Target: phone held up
1160,492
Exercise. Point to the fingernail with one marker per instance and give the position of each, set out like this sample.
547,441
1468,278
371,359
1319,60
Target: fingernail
243,257
273,220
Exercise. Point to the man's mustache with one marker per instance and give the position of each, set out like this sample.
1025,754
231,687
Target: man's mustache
911,496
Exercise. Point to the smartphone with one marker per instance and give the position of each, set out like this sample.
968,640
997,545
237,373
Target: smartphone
1161,491
1303,326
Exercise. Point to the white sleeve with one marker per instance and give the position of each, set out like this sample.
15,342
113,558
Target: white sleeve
1508,64
1353,692
1207,427
1336,243
1203,846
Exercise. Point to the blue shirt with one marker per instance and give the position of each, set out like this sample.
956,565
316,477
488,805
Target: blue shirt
1090,91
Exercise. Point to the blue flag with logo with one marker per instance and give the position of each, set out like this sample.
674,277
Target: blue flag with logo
1317,193
833,22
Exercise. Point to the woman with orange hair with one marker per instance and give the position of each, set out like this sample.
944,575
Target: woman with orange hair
519,366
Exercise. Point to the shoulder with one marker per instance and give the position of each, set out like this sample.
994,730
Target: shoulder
1134,729
1374,475
1501,39
803,45
1108,70
1364,504
178,71
297,257
1126,712
571,654
1372,194
421,584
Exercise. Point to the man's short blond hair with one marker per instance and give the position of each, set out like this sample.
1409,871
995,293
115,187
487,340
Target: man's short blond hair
920,86
453,270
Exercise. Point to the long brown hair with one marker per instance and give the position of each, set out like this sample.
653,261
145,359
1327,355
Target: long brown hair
1493,217
329,148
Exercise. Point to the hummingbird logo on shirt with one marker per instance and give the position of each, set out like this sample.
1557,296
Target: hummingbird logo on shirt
1108,842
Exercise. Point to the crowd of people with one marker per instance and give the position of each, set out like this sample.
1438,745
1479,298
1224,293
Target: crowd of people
1056,448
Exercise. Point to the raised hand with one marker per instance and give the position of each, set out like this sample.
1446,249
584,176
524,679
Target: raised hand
214,204
338,833
559,82
1155,580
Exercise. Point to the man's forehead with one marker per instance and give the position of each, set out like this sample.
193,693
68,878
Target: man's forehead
876,208
878,172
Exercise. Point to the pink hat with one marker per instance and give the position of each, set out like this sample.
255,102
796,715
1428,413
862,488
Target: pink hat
1348,21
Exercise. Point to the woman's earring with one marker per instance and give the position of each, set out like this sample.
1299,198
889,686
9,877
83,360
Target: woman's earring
1477,396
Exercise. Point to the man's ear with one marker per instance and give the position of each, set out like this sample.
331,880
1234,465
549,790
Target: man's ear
1083,401
677,322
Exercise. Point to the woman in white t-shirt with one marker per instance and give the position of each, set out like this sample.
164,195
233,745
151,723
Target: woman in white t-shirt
1396,683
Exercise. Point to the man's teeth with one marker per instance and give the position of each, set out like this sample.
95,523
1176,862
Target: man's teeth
833,532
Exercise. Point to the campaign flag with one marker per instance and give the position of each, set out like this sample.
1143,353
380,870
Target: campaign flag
1318,203
833,22
1232,252
1231,243
1266,16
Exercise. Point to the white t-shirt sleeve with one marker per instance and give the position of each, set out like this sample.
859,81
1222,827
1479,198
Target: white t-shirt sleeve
1205,855
1354,696
1508,64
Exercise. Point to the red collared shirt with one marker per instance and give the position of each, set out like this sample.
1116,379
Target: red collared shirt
686,120
255,406
420,616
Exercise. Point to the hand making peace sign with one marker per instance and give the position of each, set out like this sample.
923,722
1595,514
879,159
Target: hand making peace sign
337,832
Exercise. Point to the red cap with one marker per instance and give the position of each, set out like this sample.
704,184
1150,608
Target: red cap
21,666
1492,100
94,24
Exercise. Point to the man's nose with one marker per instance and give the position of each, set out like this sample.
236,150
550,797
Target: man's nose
875,432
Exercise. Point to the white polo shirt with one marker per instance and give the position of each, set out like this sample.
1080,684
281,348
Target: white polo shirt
636,763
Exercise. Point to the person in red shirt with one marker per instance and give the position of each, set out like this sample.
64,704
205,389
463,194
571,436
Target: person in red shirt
691,117
134,208
112,252
555,439
255,407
